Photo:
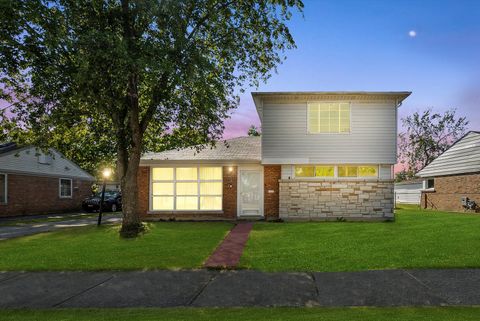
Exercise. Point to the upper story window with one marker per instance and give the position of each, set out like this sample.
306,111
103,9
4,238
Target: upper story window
3,188
328,118
65,188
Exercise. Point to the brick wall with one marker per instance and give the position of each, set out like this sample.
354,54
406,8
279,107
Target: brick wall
325,200
29,195
230,192
449,190
271,176
229,199
143,181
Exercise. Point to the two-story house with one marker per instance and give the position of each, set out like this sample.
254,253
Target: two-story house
321,156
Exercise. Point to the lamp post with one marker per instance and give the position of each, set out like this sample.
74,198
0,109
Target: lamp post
106,174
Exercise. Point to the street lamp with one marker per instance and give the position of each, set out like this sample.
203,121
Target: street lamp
106,174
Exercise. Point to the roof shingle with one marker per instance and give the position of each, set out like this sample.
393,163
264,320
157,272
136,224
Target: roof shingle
236,149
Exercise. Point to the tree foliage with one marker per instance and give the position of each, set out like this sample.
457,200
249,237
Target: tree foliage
135,75
253,131
427,135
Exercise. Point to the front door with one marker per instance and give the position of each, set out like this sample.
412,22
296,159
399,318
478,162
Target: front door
250,200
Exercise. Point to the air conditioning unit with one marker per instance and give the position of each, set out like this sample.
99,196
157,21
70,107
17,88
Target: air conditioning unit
468,203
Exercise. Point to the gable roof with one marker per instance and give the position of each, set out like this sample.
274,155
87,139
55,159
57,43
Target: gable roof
260,98
6,147
27,161
462,157
236,149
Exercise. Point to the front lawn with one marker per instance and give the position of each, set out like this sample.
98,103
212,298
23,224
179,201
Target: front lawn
417,239
237,314
166,245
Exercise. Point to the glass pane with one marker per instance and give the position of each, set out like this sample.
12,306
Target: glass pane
187,188
324,171
65,187
162,188
304,171
211,188
186,174
162,174
187,203
2,189
210,173
313,118
344,118
352,171
210,203
347,171
162,203
367,171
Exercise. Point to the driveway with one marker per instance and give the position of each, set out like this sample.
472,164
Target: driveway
25,227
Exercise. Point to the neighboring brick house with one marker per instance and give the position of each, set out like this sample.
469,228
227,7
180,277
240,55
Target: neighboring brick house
321,156
32,182
452,180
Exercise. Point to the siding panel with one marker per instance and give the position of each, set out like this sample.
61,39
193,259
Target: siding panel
372,138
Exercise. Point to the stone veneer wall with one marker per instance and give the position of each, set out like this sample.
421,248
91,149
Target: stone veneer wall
334,199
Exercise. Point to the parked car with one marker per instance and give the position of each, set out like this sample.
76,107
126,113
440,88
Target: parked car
112,202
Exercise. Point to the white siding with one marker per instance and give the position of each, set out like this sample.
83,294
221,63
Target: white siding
26,161
372,139
462,157
408,193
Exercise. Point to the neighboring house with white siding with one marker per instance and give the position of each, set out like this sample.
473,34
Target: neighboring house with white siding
452,180
33,182
408,192
321,156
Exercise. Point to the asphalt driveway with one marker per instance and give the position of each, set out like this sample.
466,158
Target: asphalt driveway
11,230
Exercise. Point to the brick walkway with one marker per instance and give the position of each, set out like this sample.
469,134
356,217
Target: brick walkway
228,253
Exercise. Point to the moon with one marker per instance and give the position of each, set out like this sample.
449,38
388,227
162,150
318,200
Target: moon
412,33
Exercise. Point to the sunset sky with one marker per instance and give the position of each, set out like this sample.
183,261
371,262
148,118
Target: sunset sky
431,48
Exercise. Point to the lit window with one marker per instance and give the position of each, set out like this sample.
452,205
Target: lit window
324,171
367,171
328,118
65,188
162,174
347,171
304,171
187,188
3,188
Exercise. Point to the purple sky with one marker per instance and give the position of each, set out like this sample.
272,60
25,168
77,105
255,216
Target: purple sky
366,45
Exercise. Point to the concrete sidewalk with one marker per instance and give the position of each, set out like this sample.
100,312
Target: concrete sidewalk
24,229
206,288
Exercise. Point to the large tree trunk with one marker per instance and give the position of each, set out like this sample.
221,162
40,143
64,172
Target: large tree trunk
131,224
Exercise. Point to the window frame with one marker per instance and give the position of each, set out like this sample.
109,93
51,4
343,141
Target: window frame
336,176
6,189
174,181
60,187
309,132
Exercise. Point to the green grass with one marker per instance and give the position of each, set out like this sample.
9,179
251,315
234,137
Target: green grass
167,245
235,314
417,239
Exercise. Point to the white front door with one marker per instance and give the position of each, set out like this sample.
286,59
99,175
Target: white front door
250,192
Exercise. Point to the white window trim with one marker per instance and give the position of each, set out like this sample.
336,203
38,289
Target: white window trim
174,181
329,102
335,170
6,189
60,187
